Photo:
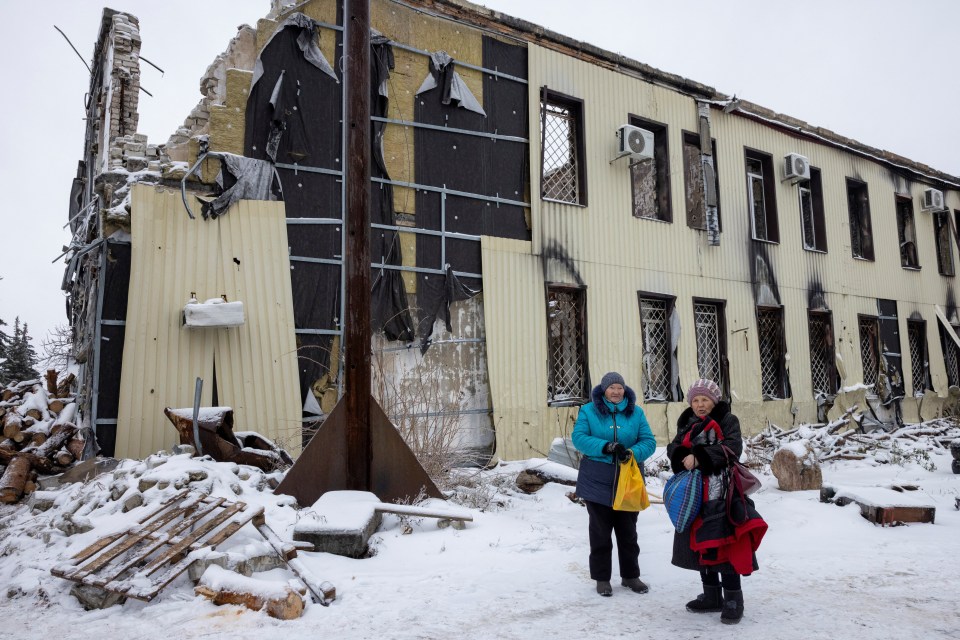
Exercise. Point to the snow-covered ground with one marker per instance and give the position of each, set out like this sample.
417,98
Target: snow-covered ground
519,570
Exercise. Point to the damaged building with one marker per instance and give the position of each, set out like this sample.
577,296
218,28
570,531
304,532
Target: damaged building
542,211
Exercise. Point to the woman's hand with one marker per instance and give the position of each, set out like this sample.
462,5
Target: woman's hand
689,462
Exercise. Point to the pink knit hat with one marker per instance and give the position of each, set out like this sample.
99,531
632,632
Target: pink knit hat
704,387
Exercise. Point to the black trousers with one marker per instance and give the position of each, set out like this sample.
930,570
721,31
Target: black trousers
603,521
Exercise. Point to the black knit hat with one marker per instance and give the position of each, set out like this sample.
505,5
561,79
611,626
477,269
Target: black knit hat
611,378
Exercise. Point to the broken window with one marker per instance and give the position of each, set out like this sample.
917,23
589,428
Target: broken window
693,180
941,231
711,346
563,171
907,234
812,219
650,179
861,232
771,347
919,363
567,345
951,356
657,348
869,348
761,196
823,367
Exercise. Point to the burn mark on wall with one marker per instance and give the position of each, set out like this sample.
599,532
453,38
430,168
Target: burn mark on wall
766,293
553,251
816,296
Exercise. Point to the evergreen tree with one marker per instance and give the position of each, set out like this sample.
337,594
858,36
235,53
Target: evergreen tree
4,342
21,358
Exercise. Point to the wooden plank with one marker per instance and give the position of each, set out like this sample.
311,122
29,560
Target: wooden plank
423,512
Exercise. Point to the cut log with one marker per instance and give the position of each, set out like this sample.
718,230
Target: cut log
63,457
63,388
12,425
52,382
35,414
55,406
75,447
14,479
68,414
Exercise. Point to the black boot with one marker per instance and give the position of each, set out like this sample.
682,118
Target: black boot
710,601
732,607
635,584
604,588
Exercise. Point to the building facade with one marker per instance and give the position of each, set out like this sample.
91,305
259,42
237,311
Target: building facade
545,211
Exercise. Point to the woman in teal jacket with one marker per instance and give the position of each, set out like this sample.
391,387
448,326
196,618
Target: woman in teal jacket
609,430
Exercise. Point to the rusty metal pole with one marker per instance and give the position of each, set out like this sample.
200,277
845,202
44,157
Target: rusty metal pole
357,259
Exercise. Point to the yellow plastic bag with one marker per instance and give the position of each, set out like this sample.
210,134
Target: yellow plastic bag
631,489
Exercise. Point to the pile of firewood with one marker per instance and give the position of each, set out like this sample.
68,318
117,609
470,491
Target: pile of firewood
39,434
839,441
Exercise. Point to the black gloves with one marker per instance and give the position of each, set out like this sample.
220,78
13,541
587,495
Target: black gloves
618,451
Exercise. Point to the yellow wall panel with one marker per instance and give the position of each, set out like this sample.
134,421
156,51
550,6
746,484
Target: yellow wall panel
242,255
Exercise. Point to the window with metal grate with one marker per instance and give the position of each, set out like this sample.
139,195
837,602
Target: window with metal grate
869,348
655,331
566,345
770,337
711,356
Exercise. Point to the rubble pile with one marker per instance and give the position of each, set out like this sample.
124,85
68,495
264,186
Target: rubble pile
39,434
837,441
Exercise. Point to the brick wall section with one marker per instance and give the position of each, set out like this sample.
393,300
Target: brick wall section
125,76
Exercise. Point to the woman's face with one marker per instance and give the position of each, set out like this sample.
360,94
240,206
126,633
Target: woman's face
702,405
614,393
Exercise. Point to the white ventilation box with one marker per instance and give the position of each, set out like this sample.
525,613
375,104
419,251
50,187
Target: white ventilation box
932,200
634,142
796,167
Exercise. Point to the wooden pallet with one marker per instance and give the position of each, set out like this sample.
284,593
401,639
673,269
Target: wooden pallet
143,559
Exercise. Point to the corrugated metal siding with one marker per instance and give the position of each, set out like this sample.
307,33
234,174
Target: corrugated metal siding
515,320
255,363
614,255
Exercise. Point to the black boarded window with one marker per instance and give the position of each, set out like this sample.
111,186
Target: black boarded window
711,346
907,234
823,368
869,348
694,183
563,170
771,348
951,356
761,196
567,345
861,231
812,218
919,362
941,231
657,348
650,179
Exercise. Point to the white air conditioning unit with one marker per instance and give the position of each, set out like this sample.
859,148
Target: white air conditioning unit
932,200
796,167
635,142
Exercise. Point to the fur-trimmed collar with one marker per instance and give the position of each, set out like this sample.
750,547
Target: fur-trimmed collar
601,406
719,412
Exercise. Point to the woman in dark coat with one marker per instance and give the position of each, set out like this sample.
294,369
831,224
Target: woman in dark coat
611,429
714,546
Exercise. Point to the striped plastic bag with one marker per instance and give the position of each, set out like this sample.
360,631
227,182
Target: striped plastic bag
683,497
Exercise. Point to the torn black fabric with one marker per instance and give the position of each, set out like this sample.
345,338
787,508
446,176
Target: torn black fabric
241,178
390,310
442,291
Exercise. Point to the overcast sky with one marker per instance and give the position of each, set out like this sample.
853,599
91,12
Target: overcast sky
880,71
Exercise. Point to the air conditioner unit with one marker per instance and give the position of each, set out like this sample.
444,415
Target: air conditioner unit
932,200
635,142
796,167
